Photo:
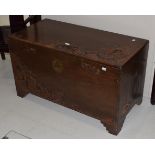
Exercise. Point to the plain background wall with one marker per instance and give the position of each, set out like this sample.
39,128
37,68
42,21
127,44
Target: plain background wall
4,20
138,26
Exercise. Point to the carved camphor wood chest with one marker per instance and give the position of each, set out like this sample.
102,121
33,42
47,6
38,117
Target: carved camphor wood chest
98,73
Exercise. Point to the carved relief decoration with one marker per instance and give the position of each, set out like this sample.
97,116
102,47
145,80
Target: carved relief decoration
25,75
90,68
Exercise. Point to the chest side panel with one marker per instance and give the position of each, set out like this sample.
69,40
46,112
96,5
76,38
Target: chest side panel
132,82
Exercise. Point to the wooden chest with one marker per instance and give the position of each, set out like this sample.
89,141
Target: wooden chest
98,73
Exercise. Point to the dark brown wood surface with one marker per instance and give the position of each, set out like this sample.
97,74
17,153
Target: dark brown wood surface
153,91
102,46
78,75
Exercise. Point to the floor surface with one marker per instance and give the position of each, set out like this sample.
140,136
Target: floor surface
38,118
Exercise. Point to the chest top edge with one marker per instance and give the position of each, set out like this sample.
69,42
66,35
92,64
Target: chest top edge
105,47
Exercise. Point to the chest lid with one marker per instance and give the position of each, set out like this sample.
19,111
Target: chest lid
105,47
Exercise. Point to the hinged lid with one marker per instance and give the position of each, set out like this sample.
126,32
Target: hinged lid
97,45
